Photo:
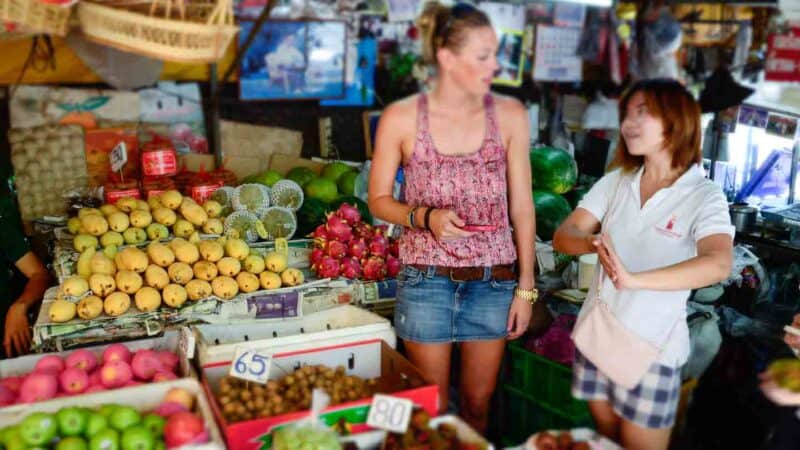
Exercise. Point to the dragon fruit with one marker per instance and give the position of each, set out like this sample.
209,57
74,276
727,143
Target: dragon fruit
392,266
374,269
349,213
351,268
362,231
394,248
316,255
338,229
381,229
379,245
336,249
328,267
320,233
358,249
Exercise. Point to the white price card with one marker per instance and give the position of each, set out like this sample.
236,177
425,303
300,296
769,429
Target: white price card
118,157
250,365
390,413
187,342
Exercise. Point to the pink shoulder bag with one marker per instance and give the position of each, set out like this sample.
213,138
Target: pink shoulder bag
604,340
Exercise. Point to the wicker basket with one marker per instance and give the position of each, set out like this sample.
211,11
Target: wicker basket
36,16
192,33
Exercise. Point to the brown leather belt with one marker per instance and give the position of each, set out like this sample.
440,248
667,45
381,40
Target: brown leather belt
500,272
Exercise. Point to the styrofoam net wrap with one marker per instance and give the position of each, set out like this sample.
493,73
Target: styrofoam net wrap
287,194
279,222
251,197
244,223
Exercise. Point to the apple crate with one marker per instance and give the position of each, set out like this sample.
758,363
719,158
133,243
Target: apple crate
340,325
144,398
368,359
169,341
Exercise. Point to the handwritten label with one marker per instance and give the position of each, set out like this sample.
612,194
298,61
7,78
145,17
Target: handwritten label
250,365
390,413
118,157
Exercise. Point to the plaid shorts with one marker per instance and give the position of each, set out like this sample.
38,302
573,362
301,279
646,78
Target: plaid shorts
651,404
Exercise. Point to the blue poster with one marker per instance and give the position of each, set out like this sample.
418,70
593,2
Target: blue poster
361,80
293,60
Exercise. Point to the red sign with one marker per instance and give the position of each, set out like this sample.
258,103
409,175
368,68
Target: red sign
159,162
783,56
113,196
202,192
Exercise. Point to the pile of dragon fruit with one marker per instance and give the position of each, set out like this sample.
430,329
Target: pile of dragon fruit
345,246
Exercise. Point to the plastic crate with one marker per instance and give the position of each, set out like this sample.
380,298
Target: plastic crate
537,396
542,380
526,416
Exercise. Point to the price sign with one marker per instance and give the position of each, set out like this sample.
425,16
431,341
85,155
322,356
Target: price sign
186,342
282,246
250,365
390,413
118,157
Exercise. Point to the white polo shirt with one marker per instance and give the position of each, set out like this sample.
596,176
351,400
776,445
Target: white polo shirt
662,233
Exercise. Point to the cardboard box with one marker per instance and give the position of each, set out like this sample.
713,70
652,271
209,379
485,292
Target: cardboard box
247,148
366,359
144,398
340,325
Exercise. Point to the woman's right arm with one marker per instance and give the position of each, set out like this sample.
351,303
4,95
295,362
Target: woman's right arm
577,234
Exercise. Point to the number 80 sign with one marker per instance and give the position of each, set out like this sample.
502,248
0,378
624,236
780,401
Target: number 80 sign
250,365
390,413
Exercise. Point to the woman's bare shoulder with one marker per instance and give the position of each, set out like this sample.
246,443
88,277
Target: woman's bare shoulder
509,107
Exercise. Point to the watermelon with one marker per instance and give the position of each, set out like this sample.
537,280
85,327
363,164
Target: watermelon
551,210
576,195
301,175
553,170
366,217
310,216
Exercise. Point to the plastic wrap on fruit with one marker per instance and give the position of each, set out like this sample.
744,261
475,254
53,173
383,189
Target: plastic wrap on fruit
308,434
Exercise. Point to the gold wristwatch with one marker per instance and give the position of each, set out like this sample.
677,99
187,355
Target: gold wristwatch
530,295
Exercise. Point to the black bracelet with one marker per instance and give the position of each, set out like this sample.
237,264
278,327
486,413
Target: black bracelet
428,218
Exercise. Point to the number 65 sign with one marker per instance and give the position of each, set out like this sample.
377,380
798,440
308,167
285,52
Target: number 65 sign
250,365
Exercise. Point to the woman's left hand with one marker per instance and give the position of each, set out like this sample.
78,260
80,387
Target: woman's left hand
612,265
519,316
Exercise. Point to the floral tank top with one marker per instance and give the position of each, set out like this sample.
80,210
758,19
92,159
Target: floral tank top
473,185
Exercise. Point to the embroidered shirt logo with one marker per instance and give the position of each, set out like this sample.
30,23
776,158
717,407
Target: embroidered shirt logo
669,228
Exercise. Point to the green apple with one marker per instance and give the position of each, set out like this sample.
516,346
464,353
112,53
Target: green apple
38,429
107,439
96,423
72,421
155,423
72,443
106,410
160,445
138,437
12,439
124,417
